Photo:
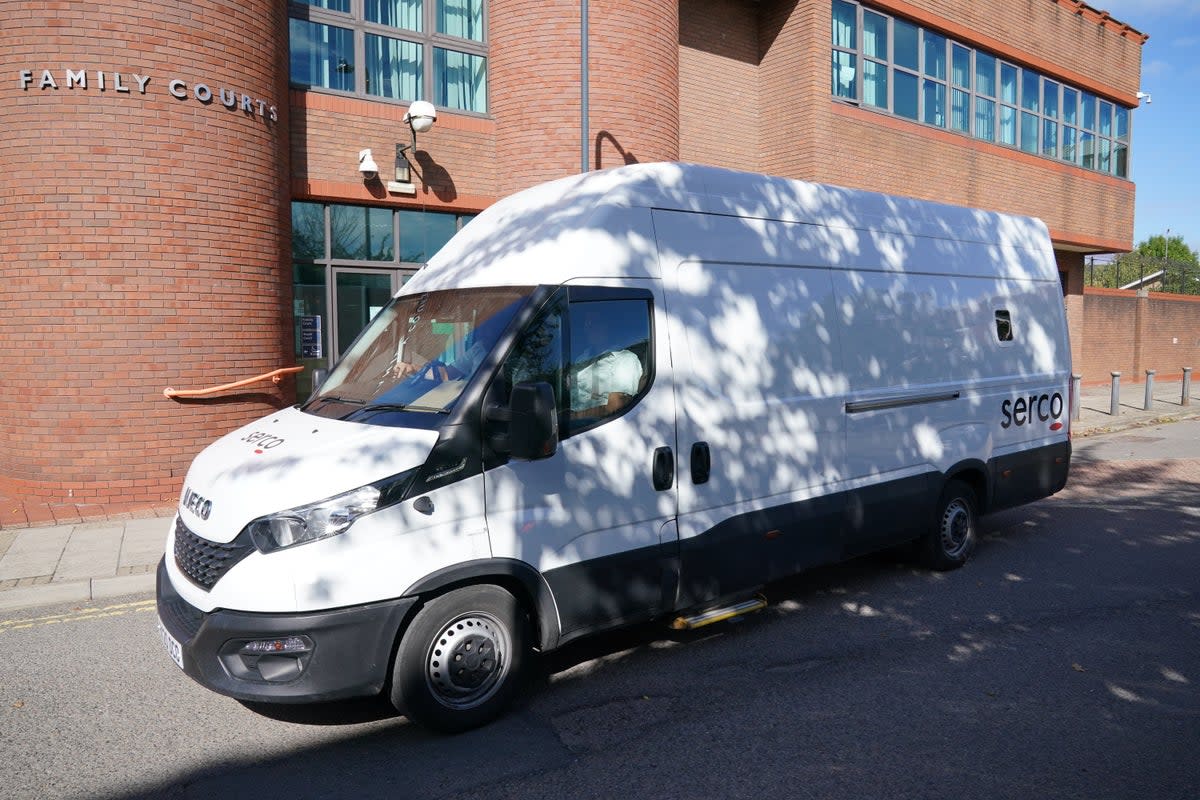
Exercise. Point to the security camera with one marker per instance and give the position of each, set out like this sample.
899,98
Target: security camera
1145,96
367,165
420,116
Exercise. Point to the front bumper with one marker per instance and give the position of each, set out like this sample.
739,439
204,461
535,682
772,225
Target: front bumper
350,652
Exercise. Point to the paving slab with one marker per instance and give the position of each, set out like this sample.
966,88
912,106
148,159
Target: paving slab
91,553
35,552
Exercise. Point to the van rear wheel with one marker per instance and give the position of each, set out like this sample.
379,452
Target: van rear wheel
952,539
459,663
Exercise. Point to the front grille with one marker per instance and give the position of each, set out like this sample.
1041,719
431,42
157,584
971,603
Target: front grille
206,562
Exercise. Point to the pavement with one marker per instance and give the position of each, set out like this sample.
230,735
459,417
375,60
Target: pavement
113,552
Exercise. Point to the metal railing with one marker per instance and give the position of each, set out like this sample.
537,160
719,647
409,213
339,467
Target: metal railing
274,376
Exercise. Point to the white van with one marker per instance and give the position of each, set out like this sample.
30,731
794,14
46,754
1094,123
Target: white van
629,394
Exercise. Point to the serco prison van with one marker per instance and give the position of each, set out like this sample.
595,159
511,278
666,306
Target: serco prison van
638,393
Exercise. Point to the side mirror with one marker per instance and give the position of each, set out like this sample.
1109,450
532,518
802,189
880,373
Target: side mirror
533,430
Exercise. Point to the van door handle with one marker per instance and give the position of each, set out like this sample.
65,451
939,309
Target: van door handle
701,462
664,469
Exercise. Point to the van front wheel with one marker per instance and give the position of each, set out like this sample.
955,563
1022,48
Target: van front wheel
950,543
458,664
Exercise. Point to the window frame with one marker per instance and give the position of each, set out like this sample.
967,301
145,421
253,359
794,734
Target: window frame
428,38
1044,116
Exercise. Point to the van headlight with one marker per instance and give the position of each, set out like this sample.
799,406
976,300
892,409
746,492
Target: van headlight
326,518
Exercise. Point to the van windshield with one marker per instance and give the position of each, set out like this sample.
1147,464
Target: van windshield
418,354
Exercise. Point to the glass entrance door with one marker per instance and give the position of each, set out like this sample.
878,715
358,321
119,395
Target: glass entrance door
358,295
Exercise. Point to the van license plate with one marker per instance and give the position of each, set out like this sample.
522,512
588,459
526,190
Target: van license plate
173,648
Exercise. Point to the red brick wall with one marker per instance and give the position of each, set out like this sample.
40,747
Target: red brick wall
806,134
535,86
719,100
456,167
1131,334
141,240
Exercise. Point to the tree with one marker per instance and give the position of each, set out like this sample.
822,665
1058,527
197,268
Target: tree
1159,263
1171,249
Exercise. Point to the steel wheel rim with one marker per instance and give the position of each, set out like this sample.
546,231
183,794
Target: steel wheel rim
956,527
468,661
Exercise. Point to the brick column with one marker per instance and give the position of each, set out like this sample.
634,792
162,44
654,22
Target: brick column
143,172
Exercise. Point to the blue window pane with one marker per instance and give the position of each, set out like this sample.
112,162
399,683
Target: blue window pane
1029,132
462,18
905,37
1121,160
985,119
1031,84
1106,114
1070,106
321,55
960,67
423,233
1069,153
1008,83
1087,150
1087,105
1105,163
935,55
845,24
308,230
905,94
393,67
1049,138
333,5
875,84
1008,125
359,233
935,103
459,80
843,75
1050,99
985,74
875,38
960,106
1122,123
396,13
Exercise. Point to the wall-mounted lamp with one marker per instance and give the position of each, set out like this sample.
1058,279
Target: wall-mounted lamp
367,165
420,118
1145,96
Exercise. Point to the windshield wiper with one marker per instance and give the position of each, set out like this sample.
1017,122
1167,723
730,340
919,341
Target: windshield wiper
379,408
333,398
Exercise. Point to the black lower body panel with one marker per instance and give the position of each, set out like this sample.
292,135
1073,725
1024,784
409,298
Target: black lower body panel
348,649
1029,475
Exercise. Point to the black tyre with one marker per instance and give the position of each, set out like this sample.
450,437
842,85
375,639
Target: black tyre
952,539
460,661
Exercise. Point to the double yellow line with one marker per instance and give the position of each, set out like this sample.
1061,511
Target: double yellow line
82,615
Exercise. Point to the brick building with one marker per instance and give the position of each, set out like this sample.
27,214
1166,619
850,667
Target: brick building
184,206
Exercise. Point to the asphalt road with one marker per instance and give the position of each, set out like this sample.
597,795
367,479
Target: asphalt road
1062,662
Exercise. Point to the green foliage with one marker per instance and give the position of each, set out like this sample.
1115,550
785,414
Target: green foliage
1171,249
1158,264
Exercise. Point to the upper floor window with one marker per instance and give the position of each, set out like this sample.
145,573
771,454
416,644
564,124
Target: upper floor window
896,66
400,50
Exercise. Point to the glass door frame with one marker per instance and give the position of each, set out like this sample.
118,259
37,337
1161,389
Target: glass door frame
397,276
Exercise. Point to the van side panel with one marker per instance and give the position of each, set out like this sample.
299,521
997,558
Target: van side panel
758,389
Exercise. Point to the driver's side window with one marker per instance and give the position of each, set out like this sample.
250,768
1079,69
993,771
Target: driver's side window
594,353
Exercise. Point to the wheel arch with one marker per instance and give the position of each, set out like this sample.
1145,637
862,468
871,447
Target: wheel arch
974,473
517,577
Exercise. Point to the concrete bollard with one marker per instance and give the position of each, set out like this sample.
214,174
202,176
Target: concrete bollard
1114,403
1186,400
1148,403
1075,387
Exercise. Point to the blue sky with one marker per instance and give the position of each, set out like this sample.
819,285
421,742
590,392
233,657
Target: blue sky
1165,163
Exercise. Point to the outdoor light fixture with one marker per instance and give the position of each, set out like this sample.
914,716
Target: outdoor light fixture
420,118
367,165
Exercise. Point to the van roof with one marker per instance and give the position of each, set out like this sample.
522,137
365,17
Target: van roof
577,225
